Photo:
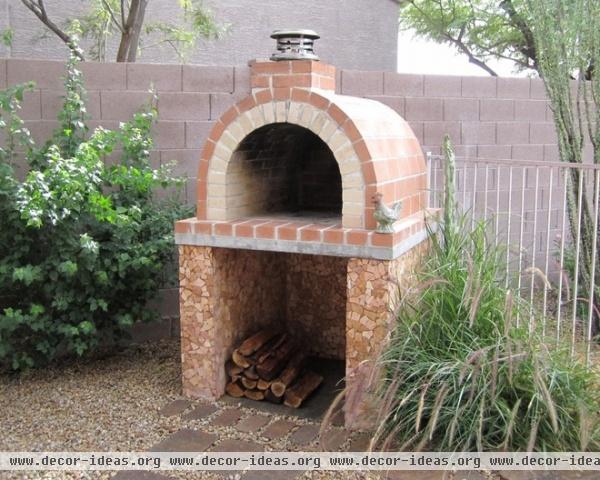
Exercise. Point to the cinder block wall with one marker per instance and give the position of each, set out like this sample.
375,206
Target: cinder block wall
486,117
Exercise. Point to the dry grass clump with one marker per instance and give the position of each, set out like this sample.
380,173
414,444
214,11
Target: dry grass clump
460,375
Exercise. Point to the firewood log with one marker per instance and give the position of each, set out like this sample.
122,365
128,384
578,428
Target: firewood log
251,373
262,384
240,360
268,348
299,391
234,390
272,398
289,374
270,368
253,343
250,384
232,369
255,394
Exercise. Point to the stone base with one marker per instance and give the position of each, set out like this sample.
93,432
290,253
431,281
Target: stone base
339,307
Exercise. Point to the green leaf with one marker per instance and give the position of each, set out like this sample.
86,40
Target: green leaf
86,327
68,267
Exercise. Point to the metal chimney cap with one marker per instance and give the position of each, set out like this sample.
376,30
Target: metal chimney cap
295,44
301,32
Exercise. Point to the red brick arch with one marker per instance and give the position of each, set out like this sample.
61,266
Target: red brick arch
374,147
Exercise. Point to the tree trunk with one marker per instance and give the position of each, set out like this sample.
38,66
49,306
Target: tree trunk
130,38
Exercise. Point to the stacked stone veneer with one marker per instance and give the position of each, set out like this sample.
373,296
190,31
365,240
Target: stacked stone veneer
228,294
339,307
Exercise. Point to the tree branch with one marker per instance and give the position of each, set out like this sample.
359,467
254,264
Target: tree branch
472,58
123,12
112,15
517,21
39,10
457,41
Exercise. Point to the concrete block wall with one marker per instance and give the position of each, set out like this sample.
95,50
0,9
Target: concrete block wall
486,117
190,99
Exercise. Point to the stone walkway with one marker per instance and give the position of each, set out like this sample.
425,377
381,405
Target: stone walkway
223,427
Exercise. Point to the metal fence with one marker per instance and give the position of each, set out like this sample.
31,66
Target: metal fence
525,207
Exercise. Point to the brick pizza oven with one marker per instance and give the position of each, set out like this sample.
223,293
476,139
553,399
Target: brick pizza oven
284,234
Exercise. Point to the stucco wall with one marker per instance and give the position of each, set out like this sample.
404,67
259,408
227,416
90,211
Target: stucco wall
358,34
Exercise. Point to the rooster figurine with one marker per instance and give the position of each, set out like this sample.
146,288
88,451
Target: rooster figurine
384,215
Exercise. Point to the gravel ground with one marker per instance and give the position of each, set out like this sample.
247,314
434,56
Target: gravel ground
106,404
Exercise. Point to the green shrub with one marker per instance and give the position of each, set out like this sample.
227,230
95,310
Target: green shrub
460,375
83,241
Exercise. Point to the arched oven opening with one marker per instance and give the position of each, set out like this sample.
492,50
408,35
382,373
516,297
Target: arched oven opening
284,169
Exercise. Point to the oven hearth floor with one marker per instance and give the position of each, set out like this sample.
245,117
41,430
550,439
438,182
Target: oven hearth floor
316,405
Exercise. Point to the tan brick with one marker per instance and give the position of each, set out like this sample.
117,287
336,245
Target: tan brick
353,195
268,112
218,164
350,180
215,191
307,115
339,142
281,111
352,209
